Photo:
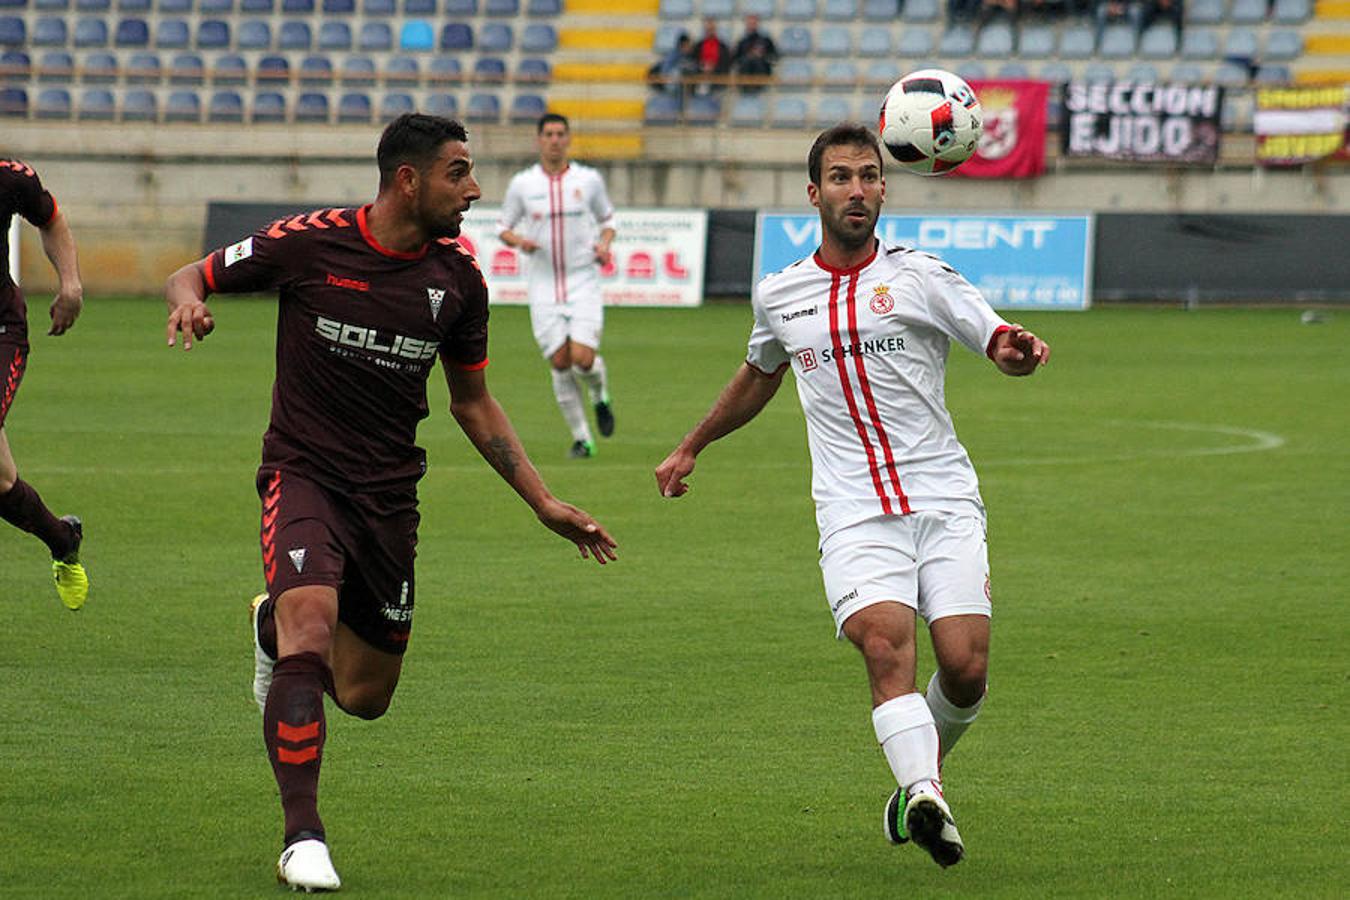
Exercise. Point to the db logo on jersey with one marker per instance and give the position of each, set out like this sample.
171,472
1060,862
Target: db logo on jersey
807,358
882,302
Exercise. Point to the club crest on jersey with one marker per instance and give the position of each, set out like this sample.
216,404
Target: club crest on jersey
435,297
298,558
882,301
240,251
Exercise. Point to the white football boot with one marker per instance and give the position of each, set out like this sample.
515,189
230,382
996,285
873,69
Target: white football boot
262,663
928,823
306,866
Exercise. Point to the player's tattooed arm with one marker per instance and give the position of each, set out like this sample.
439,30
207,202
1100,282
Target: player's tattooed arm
501,456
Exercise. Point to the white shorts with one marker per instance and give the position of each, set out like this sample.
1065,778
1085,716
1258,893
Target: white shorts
556,323
936,563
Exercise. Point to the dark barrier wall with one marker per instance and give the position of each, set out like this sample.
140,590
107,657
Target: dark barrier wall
730,265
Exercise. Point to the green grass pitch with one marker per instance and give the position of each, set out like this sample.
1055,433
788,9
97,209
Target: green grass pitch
1167,716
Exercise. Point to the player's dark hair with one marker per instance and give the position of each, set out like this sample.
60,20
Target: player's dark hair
551,117
414,139
850,134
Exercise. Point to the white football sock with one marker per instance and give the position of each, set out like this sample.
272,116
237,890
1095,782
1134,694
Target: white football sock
567,391
595,379
951,720
909,739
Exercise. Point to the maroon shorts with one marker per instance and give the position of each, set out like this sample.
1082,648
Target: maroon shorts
13,359
361,545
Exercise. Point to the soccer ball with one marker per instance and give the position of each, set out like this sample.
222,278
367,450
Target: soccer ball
931,121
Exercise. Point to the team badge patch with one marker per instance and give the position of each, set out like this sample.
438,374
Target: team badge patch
882,301
236,252
298,559
435,297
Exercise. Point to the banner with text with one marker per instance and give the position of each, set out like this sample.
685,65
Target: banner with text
1017,262
658,257
1012,144
1299,125
1142,122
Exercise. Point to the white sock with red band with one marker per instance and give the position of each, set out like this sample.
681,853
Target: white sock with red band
594,379
908,736
951,720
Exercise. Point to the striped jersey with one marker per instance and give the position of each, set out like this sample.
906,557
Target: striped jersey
21,193
564,214
868,348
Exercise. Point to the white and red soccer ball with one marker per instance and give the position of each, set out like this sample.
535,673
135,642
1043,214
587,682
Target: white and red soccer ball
931,121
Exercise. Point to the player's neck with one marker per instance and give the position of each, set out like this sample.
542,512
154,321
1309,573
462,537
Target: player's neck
392,230
553,168
837,256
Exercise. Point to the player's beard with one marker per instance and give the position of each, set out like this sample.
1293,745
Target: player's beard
845,233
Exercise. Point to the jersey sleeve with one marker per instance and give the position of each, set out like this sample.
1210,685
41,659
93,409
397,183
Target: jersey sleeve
959,309
261,262
601,208
513,207
765,352
22,189
465,347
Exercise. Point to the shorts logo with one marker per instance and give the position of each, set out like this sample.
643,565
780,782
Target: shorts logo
988,594
435,297
402,609
807,359
882,301
297,559
237,252
851,595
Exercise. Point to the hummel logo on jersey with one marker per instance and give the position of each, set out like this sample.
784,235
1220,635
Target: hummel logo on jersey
298,559
436,297
240,251
354,284
801,313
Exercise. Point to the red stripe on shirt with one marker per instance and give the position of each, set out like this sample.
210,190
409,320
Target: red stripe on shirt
555,209
866,387
848,395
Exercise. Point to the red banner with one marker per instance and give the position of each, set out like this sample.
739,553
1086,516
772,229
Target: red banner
1013,142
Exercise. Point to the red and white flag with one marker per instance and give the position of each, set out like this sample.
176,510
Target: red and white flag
1013,142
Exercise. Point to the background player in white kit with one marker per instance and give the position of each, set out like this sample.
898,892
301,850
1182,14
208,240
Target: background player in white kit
866,327
558,214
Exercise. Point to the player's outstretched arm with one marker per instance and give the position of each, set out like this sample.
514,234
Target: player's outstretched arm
748,391
185,293
59,244
485,423
1018,351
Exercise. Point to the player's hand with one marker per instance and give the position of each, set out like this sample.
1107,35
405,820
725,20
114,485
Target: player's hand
671,473
603,256
577,526
1019,352
65,309
527,246
192,320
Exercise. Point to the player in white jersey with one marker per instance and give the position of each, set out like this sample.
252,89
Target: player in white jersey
558,214
865,327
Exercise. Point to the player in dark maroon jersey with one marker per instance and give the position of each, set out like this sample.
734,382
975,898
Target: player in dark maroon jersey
369,298
21,192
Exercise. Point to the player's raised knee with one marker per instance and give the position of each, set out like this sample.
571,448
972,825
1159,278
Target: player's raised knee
365,703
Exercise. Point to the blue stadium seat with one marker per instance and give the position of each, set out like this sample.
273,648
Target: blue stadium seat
213,34
52,103
460,9
840,75
1247,12
419,7
375,36
1240,44
229,68
172,34
972,70
93,5
1292,12
527,108
666,36
97,104
1268,74
295,35
919,11
914,42
339,7
1187,73
875,42
718,9
358,70
186,68
1158,42
1117,42
316,70
215,7
957,40
258,7
1231,74
311,107
13,102
539,38
254,34
56,65
1013,69
798,10
379,7
787,112
748,111
495,37
456,36
91,33
1098,73
834,40
269,106
15,65
442,105
534,70
880,10
840,10
444,70
132,33
13,4
175,6
995,40
796,71
1056,72
831,111
661,109
489,70
354,106
402,70
49,31
703,109
765,9
1199,43
53,5
1142,72
1037,41
544,8
417,35
99,68
483,108
225,106
335,36
139,105
394,105
1283,46
1077,42
795,41
297,7
13,33
143,68
502,7
1204,12
272,70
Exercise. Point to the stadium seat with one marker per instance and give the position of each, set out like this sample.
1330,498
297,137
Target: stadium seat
13,102
661,109
1199,43
534,71
703,109
13,33
272,70
919,10
93,5
1098,73
957,40
143,68
354,106
1012,70
795,41
421,7
539,38
456,36
666,36
52,5
1158,42
15,65
56,65
177,7
315,70
496,37
719,9
49,31
97,104
444,70
875,42
139,105
254,34
502,8
172,34
1204,12
1188,73
269,106
483,108
544,8
379,7
311,107
186,68
914,43
834,40
1240,44
1247,12
52,103
748,111
1292,12
99,68
375,36
832,111
1117,42
339,7
788,112
257,6
440,104
91,33
394,105
213,34
880,10
765,9
132,33
295,35
335,36
229,68
1037,41
359,70
402,70
1146,73
796,71
840,75
527,108
1283,46
183,106
215,7
995,40
489,70
1231,74
972,70
839,10
799,10
882,73
1056,72
1273,75
1077,42
225,106
417,35
297,7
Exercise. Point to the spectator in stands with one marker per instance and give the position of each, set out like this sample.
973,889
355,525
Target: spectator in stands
959,10
1153,10
669,72
754,45
1109,11
756,65
711,52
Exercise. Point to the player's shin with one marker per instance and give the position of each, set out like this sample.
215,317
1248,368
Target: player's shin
21,507
568,394
951,720
294,730
596,379
907,735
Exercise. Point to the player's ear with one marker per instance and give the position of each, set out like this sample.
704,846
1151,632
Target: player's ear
813,193
408,179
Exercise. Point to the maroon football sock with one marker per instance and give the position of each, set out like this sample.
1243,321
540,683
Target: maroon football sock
294,731
23,508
